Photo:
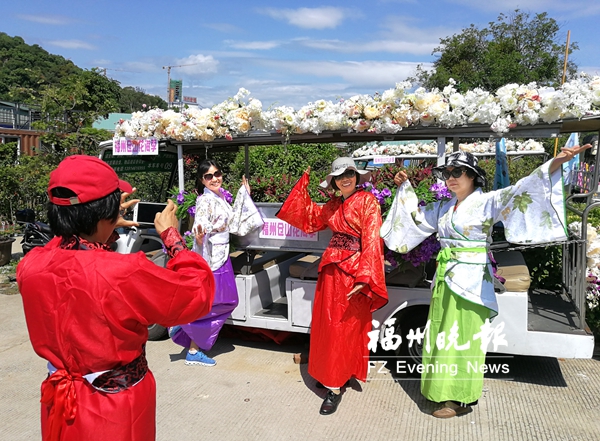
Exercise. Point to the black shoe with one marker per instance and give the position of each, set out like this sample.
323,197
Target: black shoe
319,385
330,404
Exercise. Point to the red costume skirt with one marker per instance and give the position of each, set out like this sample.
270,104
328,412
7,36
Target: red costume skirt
339,330
129,415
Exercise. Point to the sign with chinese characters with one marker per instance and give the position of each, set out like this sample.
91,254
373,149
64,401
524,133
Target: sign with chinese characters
190,99
274,228
384,160
163,163
135,146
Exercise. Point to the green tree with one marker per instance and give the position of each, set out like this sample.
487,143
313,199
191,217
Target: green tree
134,98
517,48
25,68
70,109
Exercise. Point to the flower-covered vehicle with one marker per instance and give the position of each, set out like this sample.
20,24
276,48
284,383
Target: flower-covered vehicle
276,266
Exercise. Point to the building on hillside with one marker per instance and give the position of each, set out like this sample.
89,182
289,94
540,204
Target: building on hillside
16,126
110,122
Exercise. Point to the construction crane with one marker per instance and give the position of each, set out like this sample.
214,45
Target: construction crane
169,79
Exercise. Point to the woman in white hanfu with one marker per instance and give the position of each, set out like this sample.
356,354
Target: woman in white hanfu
463,298
214,220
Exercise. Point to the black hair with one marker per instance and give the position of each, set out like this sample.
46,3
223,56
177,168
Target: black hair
470,173
73,220
203,168
334,185
480,179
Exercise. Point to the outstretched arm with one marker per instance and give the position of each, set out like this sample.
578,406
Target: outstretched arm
566,154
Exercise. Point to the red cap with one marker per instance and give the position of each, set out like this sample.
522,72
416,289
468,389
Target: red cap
88,177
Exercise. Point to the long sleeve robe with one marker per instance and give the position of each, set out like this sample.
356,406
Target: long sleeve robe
463,297
338,340
88,311
218,219
532,211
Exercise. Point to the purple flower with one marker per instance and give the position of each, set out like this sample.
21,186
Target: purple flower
389,256
228,196
386,193
440,191
192,211
424,252
180,198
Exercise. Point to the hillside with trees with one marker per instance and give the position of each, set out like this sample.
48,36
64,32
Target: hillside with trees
26,71
25,68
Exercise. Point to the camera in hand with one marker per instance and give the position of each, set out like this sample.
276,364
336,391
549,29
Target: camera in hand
145,212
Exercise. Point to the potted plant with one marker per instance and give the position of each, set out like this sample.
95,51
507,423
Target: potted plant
6,240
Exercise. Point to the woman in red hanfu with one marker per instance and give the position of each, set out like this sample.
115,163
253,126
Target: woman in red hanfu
88,308
351,283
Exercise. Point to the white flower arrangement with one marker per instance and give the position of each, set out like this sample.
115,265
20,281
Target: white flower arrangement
390,112
430,148
593,263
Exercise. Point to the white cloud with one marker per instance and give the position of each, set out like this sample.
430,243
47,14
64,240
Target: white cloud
309,18
253,45
102,62
401,35
232,54
197,65
590,70
141,66
411,29
364,74
567,10
222,27
71,44
47,19
392,46
273,93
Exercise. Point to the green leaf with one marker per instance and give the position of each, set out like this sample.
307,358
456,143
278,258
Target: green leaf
522,201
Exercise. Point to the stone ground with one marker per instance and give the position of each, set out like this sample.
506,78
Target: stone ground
256,392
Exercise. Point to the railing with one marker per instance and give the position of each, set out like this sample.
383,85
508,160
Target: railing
18,117
583,187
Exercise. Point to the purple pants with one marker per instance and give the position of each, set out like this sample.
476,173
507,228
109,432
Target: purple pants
205,330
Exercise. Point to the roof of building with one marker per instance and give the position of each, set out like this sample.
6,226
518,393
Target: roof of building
110,122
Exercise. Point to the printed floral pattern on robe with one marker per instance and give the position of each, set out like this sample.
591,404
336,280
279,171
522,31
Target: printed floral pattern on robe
215,216
532,212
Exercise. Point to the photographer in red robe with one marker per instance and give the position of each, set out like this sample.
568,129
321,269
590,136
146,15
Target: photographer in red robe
88,308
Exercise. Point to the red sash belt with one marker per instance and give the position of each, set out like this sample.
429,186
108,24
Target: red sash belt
58,391
345,242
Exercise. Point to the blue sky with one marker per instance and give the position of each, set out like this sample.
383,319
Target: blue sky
284,53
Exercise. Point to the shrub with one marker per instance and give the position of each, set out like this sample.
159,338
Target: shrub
275,169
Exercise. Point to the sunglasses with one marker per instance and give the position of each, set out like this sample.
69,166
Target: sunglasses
348,174
455,173
209,176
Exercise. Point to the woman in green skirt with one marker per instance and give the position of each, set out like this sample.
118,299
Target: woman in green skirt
463,305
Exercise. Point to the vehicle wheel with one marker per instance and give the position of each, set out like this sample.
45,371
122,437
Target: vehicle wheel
413,354
157,332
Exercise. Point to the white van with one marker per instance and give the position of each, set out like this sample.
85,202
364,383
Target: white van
276,273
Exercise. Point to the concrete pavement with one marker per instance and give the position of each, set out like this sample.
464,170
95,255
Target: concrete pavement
256,392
